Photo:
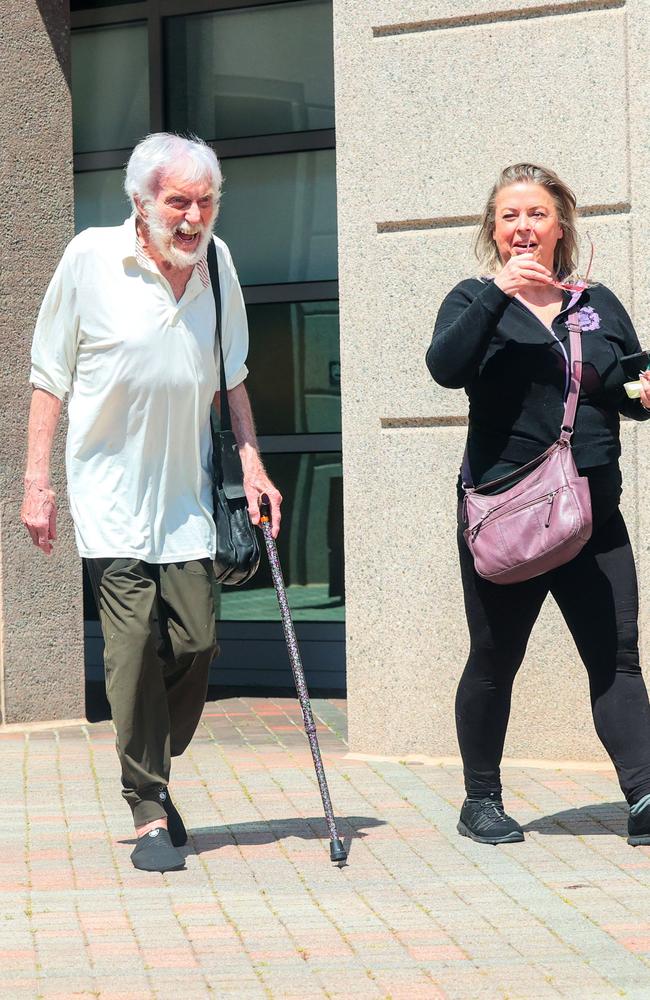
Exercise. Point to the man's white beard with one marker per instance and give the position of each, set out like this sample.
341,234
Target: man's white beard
162,235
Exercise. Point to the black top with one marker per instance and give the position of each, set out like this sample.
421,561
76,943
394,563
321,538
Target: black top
514,373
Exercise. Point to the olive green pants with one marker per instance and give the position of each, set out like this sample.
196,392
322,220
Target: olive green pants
160,638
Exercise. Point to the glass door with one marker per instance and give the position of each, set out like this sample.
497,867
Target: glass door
256,81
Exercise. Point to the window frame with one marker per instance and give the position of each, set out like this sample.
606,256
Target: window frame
153,12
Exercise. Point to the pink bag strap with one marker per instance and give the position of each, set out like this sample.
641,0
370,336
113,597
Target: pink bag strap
570,404
575,376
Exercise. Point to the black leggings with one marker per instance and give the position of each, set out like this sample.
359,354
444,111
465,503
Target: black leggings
598,597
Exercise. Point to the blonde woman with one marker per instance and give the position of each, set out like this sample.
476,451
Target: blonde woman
505,340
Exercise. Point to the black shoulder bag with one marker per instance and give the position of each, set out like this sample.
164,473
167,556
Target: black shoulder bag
238,555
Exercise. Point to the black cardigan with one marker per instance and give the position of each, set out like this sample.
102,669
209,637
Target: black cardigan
514,374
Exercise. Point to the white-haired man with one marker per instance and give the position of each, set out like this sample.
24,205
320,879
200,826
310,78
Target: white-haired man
127,328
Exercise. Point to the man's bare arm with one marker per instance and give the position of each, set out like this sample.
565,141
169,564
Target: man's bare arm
38,512
256,480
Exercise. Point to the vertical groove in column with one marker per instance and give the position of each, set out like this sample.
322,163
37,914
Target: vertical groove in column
628,149
3,712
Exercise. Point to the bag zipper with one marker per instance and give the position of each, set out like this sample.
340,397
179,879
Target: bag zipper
550,499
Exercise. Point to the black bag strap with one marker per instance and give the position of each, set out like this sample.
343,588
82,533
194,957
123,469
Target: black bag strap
213,268
570,407
225,453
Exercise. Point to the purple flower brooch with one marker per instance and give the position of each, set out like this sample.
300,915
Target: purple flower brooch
588,319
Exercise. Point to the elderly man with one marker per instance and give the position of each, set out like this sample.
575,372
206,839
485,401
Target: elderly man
127,328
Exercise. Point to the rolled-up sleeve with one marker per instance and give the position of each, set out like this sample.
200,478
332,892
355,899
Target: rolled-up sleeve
234,331
54,348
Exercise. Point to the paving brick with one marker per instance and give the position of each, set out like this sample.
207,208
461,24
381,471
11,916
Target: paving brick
260,911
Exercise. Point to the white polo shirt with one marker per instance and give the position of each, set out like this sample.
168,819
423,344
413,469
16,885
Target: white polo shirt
141,372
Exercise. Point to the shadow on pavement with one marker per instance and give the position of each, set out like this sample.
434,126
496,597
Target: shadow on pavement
603,818
351,828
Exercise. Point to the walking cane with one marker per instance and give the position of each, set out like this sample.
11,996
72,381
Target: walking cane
337,850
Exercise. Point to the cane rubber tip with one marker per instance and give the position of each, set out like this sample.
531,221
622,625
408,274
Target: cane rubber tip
337,850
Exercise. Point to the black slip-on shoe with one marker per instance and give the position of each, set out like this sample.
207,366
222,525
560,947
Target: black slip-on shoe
486,822
638,828
175,825
154,852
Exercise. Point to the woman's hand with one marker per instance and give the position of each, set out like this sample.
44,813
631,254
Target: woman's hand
644,380
521,270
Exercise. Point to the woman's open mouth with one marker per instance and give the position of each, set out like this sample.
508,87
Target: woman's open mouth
523,246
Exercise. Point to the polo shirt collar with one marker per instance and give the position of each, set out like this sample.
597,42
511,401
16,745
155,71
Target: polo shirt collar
132,250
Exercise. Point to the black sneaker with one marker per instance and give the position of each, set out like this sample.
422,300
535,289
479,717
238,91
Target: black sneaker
154,852
638,828
175,825
485,821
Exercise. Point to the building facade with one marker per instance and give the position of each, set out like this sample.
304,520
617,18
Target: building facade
358,142
451,92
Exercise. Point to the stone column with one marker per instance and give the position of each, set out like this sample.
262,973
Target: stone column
433,99
41,611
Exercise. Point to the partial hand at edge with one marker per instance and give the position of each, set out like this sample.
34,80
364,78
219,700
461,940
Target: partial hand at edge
38,514
644,381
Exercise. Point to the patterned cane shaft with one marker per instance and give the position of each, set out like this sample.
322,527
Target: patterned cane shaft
299,675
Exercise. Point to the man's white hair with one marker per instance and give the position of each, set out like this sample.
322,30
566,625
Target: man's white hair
161,152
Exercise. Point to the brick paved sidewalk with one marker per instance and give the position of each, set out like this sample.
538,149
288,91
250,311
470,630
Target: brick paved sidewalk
261,912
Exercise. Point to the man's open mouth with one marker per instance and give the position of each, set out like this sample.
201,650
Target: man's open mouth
188,240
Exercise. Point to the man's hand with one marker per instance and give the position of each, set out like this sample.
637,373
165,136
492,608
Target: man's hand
256,480
38,514
255,485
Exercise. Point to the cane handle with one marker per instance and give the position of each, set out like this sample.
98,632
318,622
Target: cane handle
264,505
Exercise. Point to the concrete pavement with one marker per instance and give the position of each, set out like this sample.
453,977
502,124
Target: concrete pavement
260,911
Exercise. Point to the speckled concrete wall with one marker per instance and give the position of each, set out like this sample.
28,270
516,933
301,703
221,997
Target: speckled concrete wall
432,99
41,618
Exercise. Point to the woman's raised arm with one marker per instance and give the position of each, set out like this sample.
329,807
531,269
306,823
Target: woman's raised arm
464,326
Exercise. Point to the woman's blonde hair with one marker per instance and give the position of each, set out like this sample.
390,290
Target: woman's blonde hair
565,258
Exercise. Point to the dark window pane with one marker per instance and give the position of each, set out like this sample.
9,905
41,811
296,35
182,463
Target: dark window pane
253,71
300,342
310,546
110,87
278,216
93,4
99,199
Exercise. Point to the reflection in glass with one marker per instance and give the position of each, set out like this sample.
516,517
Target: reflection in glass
310,546
300,342
89,4
110,87
254,71
99,199
278,216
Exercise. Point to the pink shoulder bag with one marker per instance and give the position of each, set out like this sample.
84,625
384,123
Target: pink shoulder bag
545,518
